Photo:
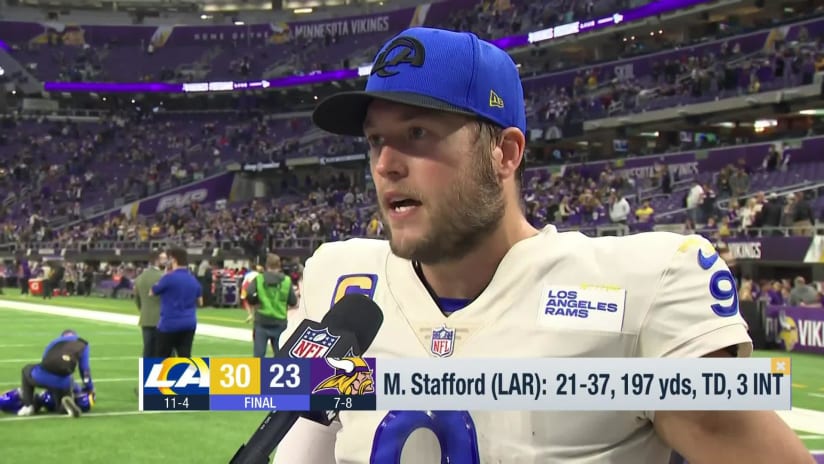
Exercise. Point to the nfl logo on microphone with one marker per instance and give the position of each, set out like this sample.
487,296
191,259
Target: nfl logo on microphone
314,344
443,342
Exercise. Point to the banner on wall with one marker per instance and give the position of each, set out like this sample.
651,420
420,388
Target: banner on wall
206,191
796,328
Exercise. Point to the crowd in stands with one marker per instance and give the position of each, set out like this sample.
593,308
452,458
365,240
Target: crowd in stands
105,167
330,211
689,79
725,204
60,167
786,292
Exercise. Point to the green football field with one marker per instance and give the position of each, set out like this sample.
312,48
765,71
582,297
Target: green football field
115,432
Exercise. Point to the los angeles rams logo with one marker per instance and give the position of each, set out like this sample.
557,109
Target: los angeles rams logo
176,376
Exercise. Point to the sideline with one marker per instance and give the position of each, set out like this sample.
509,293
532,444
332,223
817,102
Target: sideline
800,420
804,420
89,415
208,330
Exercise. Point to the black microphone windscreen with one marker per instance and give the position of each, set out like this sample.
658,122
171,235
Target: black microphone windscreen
357,314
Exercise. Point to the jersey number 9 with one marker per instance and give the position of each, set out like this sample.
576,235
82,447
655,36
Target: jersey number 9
455,431
722,289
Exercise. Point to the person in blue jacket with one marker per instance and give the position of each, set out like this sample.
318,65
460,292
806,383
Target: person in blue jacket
55,373
180,295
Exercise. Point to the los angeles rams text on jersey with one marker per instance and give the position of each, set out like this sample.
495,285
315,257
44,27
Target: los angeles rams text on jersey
567,303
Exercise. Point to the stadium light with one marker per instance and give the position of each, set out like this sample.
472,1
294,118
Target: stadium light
302,10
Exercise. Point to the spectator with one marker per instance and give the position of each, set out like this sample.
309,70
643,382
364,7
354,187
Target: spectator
772,160
24,273
803,294
802,216
52,280
770,214
204,275
645,212
180,294
739,183
123,283
619,208
745,293
694,199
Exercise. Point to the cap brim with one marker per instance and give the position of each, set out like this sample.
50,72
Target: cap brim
344,113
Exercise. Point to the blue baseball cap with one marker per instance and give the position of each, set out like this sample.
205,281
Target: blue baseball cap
436,69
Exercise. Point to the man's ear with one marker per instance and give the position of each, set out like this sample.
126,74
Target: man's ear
509,153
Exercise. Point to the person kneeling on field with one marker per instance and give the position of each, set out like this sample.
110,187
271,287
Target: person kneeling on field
61,358
12,401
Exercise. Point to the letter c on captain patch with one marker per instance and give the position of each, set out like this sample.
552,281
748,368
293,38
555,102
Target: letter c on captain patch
363,284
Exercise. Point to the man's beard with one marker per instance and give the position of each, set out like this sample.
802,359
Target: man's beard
460,219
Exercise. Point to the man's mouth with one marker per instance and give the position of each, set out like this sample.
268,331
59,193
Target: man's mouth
401,206
401,203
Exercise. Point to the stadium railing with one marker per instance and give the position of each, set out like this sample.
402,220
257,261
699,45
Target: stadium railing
786,190
57,248
724,203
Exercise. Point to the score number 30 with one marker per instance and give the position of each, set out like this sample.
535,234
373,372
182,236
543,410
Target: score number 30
240,376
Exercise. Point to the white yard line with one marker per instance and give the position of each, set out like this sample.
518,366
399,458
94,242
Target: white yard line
207,330
9,386
10,418
40,345
804,420
115,358
96,358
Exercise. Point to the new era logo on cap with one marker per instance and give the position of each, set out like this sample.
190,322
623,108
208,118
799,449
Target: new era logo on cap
494,100
437,69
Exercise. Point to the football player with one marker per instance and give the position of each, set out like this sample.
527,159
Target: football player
11,401
463,274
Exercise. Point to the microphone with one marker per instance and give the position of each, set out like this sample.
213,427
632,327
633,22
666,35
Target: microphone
355,321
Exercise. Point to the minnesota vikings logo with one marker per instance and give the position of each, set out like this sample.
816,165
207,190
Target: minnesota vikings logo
788,331
353,376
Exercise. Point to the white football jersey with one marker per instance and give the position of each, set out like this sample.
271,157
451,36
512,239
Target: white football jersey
646,295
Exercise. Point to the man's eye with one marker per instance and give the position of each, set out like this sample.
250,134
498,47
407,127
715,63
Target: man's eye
417,132
375,140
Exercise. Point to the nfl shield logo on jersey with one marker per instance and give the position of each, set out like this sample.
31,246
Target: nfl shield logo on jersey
314,344
443,342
